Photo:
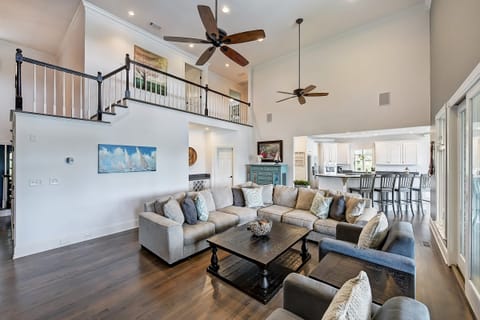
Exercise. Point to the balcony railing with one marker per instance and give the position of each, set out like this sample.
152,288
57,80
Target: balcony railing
59,91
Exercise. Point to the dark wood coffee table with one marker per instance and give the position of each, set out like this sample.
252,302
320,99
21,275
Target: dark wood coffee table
258,265
334,269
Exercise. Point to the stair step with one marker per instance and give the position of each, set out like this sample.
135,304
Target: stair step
103,113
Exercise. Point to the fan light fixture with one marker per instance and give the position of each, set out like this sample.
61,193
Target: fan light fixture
299,92
218,38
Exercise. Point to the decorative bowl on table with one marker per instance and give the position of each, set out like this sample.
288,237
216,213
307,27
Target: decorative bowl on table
260,227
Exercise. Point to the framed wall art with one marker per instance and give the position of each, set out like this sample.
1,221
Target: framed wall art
120,158
146,79
271,151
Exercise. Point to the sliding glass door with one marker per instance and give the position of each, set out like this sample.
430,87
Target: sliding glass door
475,203
463,187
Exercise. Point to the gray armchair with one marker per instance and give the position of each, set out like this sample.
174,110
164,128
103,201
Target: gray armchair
306,298
397,252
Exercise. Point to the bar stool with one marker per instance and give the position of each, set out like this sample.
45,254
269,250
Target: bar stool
387,187
424,186
366,186
405,184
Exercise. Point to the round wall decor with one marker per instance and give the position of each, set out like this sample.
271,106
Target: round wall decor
192,156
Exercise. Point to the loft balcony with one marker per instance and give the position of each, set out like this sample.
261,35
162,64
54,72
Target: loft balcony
47,89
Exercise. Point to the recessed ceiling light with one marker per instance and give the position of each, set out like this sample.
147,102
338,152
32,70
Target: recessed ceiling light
207,128
131,13
225,9
191,45
227,65
260,40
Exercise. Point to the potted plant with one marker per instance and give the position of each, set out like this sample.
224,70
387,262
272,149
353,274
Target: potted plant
301,183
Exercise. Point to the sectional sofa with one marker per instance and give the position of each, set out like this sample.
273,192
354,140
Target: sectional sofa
172,241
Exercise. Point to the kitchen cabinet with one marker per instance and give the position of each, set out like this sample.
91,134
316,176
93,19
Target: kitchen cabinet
343,153
329,152
395,153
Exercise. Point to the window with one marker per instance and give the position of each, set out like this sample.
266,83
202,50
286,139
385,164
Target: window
363,160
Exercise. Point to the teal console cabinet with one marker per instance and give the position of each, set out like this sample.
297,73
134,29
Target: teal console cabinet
267,173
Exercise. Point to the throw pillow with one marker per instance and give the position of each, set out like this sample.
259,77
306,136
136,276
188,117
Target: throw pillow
238,199
253,197
159,203
189,211
321,205
353,300
355,209
222,196
374,232
337,209
285,196
267,194
305,198
201,206
173,211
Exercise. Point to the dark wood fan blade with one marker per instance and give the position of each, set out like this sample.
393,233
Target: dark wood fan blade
234,55
309,88
184,39
205,56
246,36
286,92
286,99
302,100
208,20
316,94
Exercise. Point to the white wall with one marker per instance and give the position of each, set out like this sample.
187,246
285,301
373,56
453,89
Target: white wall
7,84
389,55
86,204
197,139
71,53
224,85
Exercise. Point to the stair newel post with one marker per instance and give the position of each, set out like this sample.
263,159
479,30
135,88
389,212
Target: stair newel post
206,99
18,81
127,78
99,105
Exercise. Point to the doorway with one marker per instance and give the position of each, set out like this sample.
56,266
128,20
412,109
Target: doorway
193,94
224,167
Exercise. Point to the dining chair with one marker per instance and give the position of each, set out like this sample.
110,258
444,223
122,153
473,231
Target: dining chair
365,188
386,191
404,188
424,186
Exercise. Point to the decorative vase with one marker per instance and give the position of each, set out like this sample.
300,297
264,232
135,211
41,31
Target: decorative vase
260,227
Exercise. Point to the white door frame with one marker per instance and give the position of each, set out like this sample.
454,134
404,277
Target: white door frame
461,260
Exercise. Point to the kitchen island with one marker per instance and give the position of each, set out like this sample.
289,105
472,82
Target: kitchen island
337,181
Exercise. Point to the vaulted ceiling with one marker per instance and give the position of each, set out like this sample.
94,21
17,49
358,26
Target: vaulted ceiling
40,24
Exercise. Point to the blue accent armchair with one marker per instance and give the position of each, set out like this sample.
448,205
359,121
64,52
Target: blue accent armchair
397,252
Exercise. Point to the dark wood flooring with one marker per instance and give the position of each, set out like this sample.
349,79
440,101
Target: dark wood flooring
113,278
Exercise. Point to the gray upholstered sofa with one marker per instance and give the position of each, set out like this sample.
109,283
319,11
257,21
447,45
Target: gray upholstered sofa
306,298
172,241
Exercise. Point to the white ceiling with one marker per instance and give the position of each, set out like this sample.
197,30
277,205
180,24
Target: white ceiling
378,135
40,24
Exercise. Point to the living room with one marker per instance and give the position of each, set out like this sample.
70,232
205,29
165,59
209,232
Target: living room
60,200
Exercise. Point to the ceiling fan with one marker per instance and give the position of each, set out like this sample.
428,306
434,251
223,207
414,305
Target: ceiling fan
219,38
305,92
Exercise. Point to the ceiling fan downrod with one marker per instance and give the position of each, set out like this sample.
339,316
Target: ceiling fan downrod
299,22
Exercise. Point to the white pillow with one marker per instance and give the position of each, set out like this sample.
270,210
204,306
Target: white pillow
374,232
353,300
253,197
355,209
321,205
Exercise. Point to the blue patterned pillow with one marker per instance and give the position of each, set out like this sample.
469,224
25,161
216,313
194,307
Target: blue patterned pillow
321,205
253,197
201,205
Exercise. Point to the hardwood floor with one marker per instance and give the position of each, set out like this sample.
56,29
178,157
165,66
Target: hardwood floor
113,278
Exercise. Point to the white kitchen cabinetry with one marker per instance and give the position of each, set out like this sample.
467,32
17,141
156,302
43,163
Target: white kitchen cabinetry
343,153
329,152
409,153
395,153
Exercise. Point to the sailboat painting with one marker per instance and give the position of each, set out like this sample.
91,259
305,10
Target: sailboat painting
119,159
